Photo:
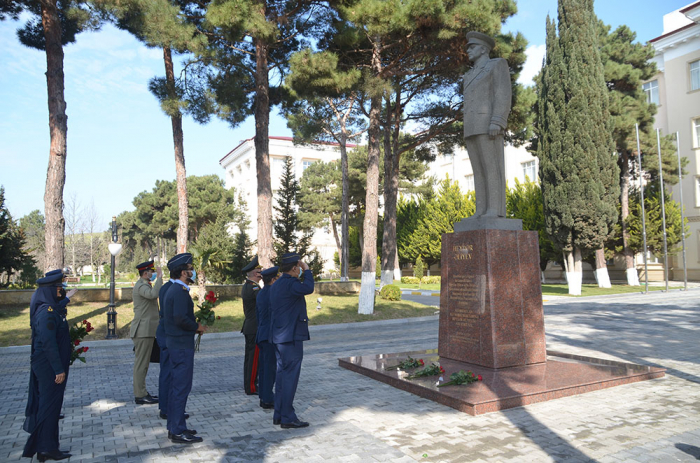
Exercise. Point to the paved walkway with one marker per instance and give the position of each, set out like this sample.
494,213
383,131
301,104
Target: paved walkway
356,419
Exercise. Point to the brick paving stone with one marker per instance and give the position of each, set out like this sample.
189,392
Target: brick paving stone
357,419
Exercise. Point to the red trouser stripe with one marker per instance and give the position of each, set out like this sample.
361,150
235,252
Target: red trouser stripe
254,372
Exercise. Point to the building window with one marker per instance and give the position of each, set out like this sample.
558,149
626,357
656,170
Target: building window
695,75
530,171
305,164
696,133
651,89
697,191
469,182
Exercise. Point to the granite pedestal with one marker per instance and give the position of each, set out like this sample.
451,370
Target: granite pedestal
492,323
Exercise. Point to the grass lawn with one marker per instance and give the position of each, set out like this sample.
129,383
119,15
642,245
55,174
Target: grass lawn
14,319
423,287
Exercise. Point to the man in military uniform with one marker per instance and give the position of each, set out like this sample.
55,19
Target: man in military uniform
249,293
143,327
180,328
487,101
290,328
164,377
267,361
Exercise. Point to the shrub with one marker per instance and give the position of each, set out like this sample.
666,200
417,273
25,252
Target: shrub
431,280
409,280
390,293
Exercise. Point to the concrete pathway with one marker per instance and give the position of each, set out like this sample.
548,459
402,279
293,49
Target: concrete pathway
356,419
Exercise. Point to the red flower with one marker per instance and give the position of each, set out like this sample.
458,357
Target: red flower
76,342
85,322
421,362
218,317
85,349
442,370
210,297
479,377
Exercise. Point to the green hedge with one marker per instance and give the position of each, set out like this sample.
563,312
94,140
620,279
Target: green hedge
426,280
390,293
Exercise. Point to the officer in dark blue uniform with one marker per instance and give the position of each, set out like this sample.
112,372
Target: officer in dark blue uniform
50,359
180,328
249,293
290,328
267,360
164,377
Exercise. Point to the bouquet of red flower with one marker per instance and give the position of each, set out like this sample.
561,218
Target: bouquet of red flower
77,333
205,315
461,377
407,364
432,370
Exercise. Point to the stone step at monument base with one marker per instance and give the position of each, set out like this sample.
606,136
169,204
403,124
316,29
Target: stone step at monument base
562,375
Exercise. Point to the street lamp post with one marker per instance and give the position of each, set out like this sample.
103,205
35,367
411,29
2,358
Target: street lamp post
114,249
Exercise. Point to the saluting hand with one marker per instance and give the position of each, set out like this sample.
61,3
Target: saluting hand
304,266
159,272
70,294
60,378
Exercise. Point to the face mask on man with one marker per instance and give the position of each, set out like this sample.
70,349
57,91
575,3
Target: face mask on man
299,276
153,277
194,276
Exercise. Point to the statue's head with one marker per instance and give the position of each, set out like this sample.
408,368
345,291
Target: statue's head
478,44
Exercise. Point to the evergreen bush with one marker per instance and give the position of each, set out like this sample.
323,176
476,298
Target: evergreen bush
390,293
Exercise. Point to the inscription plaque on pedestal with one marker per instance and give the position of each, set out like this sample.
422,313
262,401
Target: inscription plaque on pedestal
491,299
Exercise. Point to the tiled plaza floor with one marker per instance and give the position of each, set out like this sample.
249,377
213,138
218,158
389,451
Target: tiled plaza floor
356,419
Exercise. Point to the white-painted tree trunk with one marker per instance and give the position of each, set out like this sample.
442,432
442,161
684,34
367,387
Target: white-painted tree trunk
632,277
367,292
603,277
387,278
574,273
397,274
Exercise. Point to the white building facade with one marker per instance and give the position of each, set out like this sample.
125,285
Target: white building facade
676,92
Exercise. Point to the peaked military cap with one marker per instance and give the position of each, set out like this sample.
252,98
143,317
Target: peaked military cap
148,265
480,39
52,278
290,258
178,260
252,265
272,271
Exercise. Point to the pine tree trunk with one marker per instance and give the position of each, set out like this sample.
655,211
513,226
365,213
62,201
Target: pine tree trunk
369,247
574,271
338,246
92,259
630,269
390,194
601,269
344,226
262,155
58,128
178,142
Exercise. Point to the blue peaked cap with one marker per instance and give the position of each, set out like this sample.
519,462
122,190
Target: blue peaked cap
52,278
270,271
178,260
290,258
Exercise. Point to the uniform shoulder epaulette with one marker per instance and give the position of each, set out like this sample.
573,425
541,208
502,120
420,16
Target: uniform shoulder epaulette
50,309
183,288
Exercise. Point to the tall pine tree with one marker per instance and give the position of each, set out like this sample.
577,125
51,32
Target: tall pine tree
289,236
578,171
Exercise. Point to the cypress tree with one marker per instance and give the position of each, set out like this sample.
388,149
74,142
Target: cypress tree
578,170
289,236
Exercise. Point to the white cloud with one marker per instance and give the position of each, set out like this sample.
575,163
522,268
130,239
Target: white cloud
533,64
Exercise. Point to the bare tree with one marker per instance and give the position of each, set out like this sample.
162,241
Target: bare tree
74,225
92,221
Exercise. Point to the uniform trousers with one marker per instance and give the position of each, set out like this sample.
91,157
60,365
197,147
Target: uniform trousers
250,365
488,164
266,371
182,369
289,357
164,377
46,399
142,356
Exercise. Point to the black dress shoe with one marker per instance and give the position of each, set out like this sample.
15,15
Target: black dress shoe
294,424
191,432
55,455
184,438
164,416
267,405
148,399
276,422
61,416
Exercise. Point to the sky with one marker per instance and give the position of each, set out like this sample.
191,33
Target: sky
120,142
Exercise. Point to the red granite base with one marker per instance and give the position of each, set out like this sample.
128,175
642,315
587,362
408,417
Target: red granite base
562,375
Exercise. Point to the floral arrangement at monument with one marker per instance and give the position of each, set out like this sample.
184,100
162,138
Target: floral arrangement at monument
205,315
407,364
77,333
431,370
461,377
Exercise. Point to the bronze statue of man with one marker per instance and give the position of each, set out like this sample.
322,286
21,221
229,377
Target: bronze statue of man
487,100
